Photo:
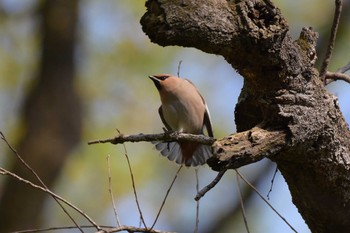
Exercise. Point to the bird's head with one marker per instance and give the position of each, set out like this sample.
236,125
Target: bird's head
164,81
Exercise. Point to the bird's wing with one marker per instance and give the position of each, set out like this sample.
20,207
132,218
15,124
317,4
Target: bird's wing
206,119
160,111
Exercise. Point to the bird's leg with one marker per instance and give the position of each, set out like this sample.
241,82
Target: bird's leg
168,132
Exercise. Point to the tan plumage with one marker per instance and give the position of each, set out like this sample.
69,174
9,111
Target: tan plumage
183,109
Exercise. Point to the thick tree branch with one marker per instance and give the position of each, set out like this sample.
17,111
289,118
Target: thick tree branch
282,90
232,29
246,147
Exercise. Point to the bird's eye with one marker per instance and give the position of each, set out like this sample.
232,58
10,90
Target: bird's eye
163,78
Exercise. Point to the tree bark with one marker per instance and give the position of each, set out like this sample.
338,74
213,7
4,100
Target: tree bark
52,118
282,96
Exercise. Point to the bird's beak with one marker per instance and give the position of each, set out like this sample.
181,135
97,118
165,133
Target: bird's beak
155,81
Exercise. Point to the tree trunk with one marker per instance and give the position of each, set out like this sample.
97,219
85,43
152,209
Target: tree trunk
284,111
52,118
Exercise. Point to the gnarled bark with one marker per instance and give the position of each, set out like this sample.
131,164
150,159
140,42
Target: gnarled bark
282,95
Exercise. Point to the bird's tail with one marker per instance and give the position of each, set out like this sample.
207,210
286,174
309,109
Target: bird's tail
187,153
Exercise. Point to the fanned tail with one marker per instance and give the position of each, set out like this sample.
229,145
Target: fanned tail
188,154
200,156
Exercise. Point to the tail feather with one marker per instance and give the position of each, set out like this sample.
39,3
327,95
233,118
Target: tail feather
174,152
170,150
200,156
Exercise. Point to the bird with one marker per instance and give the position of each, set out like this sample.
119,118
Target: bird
183,110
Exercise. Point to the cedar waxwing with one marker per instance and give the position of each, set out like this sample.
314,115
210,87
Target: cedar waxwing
184,110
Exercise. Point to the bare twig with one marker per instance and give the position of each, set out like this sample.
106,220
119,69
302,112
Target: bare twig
261,196
167,136
178,68
6,172
106,229
331,76
133,186
207,188
39,179
166,196
273,179
197,204
241,201
338,75
131,229
344,68
330,47
110,190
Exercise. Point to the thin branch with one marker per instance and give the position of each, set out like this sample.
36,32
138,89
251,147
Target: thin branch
50,229
167,136
106,229
344,68
241,201
212,184
110,190
133,186
331,76
197,204
261,196
6,172
331,43
39,179
166,196
131,229
272,181
178,68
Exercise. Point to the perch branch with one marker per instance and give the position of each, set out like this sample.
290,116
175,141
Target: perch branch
167,136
